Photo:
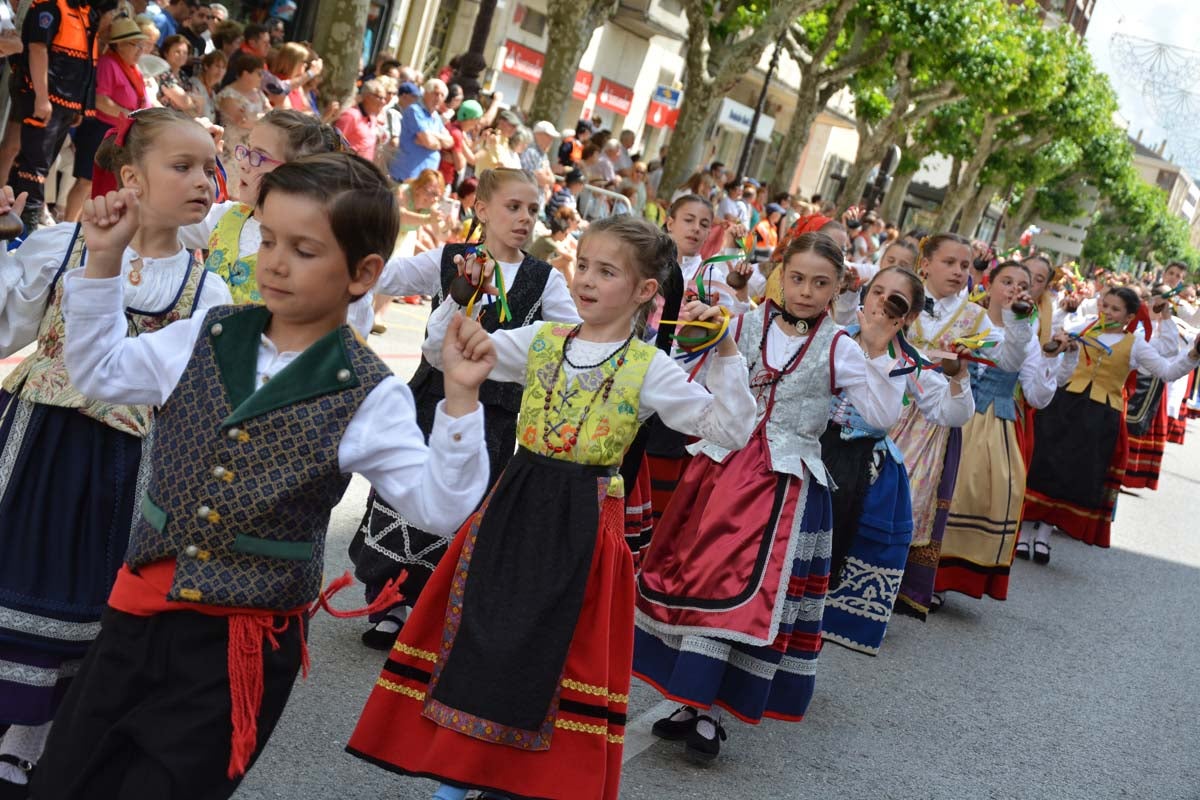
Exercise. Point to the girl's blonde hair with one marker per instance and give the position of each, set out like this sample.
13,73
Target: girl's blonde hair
491,180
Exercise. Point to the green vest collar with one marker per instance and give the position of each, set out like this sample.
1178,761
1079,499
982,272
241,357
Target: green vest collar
323,368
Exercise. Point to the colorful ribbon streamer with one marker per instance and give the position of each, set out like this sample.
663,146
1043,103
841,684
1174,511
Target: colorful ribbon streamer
498,276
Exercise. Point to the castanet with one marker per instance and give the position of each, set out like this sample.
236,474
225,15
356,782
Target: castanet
10,226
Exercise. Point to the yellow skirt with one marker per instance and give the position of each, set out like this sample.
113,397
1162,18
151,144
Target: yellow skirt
985,513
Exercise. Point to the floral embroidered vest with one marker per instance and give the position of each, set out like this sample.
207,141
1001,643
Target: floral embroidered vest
552,407
1103,376
223,258
42,377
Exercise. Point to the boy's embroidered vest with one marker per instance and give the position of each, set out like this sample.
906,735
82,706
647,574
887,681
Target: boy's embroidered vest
553,403
1103,376
243,479
42,377
802,399
235,269
992,386
525,302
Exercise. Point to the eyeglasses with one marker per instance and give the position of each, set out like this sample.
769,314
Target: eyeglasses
255,158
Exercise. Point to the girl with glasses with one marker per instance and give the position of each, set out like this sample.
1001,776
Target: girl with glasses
230,233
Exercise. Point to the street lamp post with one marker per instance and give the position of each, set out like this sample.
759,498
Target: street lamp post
744,160
472,63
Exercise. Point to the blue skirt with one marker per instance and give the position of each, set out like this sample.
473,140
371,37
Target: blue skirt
753,681
859,607
67,489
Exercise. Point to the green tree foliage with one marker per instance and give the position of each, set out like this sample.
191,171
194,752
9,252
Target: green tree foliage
725,41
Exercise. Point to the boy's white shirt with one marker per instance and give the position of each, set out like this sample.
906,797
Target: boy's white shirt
435,486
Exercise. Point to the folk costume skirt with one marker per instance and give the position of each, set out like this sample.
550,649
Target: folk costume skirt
67,490
733,586
512,673
985,512
1146,422
863,594
387,544
1177,408
931,454
1078,467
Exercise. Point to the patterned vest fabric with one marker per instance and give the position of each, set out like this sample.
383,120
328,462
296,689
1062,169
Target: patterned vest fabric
525,302
994,387
1103,376
243,480
42,377
553,408
802,399
224,259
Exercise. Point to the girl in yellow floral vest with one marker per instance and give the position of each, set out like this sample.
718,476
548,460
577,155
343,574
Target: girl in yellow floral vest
70,466
513,671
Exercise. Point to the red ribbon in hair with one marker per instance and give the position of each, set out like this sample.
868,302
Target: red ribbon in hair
1141,318
104,181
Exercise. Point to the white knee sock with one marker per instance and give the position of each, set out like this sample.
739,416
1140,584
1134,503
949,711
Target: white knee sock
684,714
1043,533
709,729
26,742
1027,531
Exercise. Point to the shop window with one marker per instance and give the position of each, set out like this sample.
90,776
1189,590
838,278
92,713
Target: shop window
530,21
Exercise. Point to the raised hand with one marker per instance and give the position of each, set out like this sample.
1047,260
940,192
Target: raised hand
952,366
10,213
109,223
877,329
468,355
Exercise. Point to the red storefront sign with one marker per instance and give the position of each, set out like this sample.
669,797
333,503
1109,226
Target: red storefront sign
526,63
663,111
614,97
583,85
522,61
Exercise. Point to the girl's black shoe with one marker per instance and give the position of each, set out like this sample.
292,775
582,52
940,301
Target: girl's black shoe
674,730
701,749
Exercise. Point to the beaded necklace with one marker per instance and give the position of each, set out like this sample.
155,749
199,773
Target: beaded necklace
769,376
602,391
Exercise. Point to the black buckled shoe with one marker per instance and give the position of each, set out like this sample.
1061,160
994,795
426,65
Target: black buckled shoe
701,749
1041,553
1022,551
674,730
377,639
16,791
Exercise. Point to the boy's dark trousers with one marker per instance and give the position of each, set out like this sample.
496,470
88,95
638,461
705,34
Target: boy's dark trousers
148,716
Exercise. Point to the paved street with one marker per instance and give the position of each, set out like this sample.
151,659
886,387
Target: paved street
1080,686
1083,685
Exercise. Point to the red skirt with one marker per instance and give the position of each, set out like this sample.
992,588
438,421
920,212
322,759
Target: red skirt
665,474
1146,451
584,756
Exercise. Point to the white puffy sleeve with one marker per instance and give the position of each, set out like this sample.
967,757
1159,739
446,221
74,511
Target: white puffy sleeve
1145,357
944,401
1039,375
724,413
877,396
25,278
